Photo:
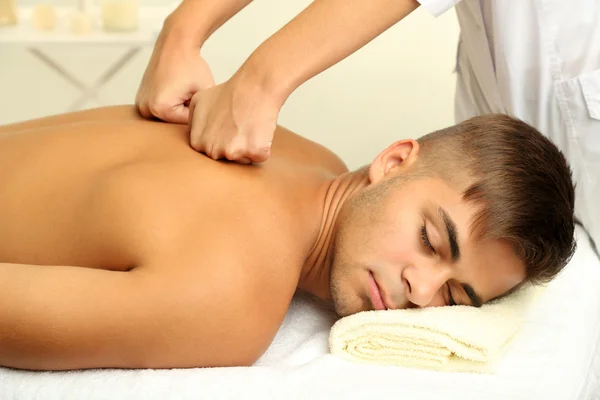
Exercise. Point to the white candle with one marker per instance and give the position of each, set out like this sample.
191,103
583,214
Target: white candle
81,23
44,17
8,12
120,15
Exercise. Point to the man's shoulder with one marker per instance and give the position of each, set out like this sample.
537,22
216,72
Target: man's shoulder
307,151
222,204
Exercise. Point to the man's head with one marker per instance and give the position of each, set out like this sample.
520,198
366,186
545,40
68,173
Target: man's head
462,215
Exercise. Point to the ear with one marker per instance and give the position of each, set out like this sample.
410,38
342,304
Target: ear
395,159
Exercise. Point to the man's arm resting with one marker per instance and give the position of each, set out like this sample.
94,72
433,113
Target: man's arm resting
60,317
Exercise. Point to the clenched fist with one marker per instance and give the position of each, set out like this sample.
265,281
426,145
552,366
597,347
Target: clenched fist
234,122
174,74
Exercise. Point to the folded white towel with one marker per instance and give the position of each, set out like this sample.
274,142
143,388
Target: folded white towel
457,338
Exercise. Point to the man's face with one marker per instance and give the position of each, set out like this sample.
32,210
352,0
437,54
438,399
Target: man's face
410,246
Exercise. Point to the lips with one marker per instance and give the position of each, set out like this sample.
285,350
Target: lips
375,293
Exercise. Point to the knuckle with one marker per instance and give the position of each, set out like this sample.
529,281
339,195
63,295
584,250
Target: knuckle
144,111
195,100
211,151
253,151
197,143
216,155
196,139
258,158
258,153
157,108
142,107
233,154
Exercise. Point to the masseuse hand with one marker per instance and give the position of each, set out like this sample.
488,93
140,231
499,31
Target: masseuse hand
174,74
234,121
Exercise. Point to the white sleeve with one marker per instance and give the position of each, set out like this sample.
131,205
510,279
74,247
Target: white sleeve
438,7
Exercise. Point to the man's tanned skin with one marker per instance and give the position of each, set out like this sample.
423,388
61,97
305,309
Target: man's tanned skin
122,247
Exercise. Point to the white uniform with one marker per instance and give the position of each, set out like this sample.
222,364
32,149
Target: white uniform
537,60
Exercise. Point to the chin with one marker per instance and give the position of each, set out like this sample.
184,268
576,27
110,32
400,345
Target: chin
347,302
345,285
344,310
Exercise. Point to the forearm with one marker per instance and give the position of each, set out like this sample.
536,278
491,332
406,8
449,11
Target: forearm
65,317
322,35
194,21
61,317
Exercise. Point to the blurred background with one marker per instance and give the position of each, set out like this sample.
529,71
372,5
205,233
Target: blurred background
400,85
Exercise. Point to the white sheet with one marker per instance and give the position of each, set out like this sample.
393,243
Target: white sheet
555,356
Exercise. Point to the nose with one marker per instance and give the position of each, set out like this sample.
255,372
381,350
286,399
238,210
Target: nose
423,281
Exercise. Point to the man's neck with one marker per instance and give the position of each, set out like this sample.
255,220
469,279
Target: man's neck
315,274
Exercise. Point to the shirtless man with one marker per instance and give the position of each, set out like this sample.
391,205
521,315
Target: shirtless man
122,247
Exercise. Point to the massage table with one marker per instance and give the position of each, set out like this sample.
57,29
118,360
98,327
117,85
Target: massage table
555,355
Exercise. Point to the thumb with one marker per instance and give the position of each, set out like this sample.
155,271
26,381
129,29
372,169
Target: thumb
178,114
261,155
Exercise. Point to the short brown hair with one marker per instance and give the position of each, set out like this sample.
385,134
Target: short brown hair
520,179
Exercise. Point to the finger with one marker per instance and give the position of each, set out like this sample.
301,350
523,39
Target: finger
261,154
196,140
138,99
192,109
210,151
179,114
238,155
196,144
234,154
167,113
143,109
216,154
243,160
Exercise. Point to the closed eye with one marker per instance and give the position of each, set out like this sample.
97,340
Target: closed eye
425,240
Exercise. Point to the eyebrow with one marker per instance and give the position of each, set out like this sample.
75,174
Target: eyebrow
452,234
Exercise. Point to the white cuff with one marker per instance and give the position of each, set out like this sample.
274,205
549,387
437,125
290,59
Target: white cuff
438,7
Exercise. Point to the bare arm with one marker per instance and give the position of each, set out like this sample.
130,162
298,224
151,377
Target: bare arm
236,119
194,21
60,317
176,71
325,33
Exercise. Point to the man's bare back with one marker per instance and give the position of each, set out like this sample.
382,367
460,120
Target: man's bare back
188,261
120,246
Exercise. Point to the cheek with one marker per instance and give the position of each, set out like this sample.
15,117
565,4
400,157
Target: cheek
383,235
395,245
